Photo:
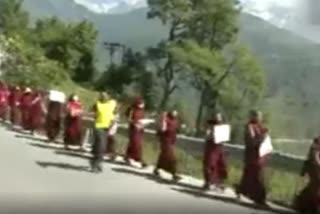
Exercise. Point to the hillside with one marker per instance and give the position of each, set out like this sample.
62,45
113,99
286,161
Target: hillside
291,63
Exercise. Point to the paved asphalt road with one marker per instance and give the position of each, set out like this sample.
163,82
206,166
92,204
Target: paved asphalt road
37,177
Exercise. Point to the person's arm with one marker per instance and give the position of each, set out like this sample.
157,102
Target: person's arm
92,111
164,125
316,158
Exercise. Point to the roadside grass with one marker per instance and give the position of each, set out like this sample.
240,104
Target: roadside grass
87,97
282,184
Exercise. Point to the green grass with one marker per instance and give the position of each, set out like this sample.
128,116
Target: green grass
282,183
87,97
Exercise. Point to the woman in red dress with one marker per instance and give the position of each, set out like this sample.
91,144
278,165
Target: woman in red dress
37,112
4,101
73,123
308,201
215,170
252,183
168,136
136,132
14,102
25,107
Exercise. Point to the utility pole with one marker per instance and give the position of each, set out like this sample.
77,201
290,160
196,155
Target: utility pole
113,48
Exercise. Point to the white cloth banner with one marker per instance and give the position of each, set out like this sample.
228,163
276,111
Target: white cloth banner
57,96
266,147
222,133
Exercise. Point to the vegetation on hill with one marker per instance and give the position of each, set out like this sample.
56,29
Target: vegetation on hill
291,63
48,53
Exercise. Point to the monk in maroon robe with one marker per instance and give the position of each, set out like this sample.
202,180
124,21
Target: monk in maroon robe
215,170
73,123
252,182
53,120
308,201
25,107
4,101
167,160
136,132
14,102
37,112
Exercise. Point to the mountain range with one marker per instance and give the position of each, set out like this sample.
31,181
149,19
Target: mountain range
300,16
291,62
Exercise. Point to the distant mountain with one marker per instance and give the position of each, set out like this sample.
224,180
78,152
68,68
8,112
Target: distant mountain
291,62
112,6
299,16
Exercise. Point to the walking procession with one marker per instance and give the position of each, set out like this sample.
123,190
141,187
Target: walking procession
48,112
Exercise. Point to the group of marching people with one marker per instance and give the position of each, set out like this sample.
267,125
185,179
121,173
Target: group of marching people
33,111
215,171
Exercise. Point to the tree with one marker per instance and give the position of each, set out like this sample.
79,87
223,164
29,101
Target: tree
175,14
220,76
26,64
146,86
70,44
13,19
117,77
212,26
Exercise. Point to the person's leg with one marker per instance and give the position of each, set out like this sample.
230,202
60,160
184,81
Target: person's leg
93,161
98,149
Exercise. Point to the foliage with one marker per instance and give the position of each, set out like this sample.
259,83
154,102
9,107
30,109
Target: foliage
146,86
12,18
175,14
27,65
114,80
70,44
210,60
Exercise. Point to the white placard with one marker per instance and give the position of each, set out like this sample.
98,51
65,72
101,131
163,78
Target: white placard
146,122
266,147
222,133
113,129
57,96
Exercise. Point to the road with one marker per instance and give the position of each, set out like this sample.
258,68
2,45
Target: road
38,177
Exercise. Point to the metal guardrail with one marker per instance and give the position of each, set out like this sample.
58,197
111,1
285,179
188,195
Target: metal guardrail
200,142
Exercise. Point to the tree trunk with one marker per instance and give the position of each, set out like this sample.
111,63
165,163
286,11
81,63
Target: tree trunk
200,113
165,97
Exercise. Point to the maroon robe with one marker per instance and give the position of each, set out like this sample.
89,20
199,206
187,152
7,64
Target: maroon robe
168,137
215,161
308,201
26,103
134,150
252,182
73,124
4,102
14,102
53,121
37,112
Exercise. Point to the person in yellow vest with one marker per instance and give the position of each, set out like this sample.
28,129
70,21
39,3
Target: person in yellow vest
105,111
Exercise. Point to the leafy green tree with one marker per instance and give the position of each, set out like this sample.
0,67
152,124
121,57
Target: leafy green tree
117,77
146,86
26,64
174,14
13,19
223,78
70,44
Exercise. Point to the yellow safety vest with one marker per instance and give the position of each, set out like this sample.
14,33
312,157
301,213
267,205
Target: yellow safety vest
105,114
